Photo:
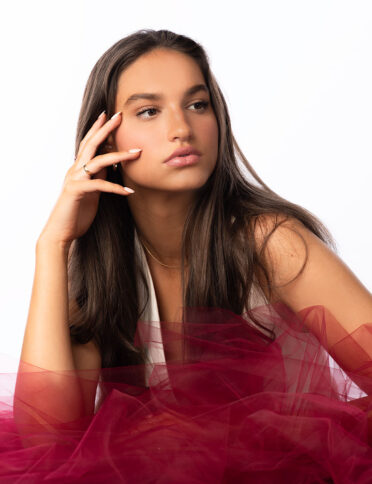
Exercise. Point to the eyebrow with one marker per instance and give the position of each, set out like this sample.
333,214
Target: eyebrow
156,96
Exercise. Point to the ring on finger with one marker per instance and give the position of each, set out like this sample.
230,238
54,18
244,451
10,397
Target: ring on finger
86,169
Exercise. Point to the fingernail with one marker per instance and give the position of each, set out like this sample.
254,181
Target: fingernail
116,115
134,150
100,116
128,189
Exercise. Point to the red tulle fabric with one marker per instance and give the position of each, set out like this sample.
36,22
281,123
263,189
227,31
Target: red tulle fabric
239,407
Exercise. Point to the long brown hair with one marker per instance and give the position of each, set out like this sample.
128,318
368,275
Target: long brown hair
218,237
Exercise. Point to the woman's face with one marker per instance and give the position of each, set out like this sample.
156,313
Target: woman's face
175,120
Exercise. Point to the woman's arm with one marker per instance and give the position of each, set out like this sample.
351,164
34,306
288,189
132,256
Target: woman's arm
49,389
46,341
325,281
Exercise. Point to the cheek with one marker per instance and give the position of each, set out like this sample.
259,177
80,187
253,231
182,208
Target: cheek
128,136
210,135
210,131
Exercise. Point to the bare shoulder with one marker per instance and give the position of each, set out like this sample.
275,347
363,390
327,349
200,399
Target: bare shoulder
306,272
283,244
281,250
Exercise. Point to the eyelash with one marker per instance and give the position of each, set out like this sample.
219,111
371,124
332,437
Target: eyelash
203,103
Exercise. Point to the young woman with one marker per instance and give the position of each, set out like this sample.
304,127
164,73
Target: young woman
182,316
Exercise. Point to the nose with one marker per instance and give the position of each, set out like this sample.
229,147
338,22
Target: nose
178,125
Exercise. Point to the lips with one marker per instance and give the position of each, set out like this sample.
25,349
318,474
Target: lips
186,150
183,160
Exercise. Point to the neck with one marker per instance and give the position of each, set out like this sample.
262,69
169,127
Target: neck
159,220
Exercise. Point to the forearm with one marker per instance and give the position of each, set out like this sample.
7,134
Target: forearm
46,342
48,390
351,351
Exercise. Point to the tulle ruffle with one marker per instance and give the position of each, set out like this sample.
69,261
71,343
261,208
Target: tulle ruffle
238,407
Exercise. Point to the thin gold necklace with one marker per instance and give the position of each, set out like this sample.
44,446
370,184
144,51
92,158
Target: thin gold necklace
165,265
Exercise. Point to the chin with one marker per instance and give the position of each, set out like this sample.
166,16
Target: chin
189,183
182,179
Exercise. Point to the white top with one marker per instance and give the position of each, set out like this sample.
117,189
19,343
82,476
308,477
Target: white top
155,351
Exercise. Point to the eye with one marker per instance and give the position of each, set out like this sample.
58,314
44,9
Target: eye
203,104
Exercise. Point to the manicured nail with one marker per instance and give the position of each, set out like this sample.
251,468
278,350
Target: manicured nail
116,115
100,116
134,150
128,189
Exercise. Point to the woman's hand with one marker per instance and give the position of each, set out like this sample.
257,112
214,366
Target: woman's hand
77,204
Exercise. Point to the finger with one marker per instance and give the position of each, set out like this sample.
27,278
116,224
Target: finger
101,161
90,147
100,185
95,126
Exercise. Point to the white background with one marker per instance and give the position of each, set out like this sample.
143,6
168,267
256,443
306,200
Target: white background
297,77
